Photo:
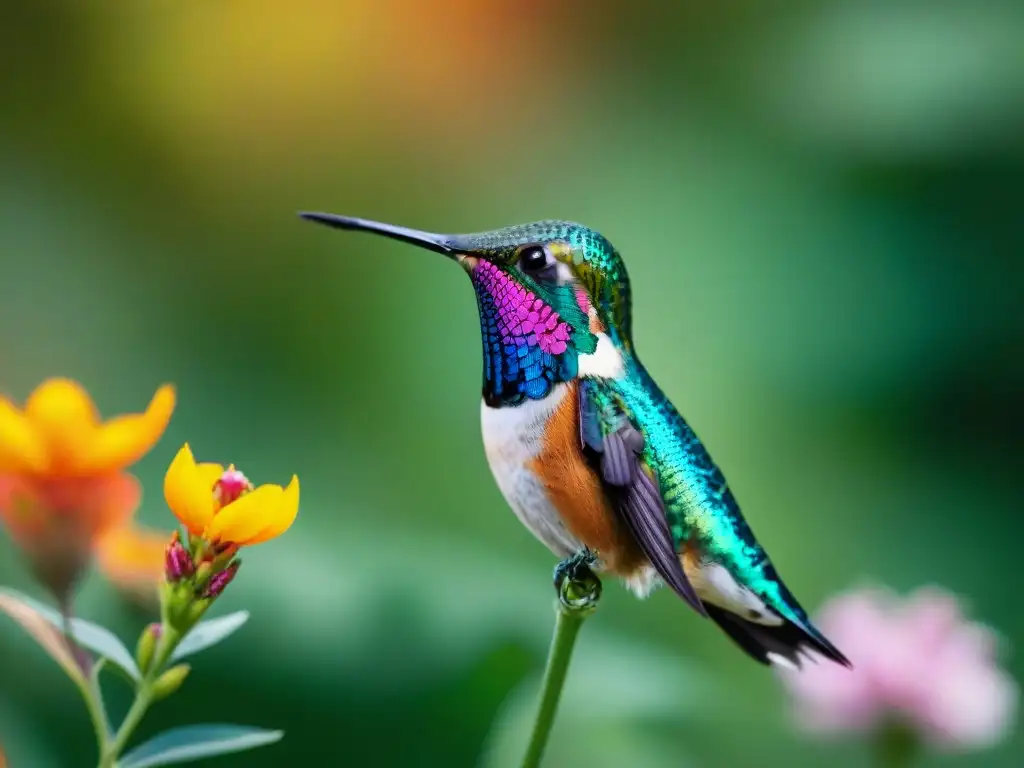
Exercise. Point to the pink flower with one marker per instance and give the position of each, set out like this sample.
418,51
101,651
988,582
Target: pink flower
916,661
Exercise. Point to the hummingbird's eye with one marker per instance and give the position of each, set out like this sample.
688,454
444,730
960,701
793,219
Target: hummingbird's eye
533,258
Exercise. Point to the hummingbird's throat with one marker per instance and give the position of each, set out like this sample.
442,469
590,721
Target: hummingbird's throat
532,335
521,318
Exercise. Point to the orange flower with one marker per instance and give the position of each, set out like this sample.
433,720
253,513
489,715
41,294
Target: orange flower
62,478
223,506
56,523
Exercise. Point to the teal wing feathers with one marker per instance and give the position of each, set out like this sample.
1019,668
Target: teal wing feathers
615,446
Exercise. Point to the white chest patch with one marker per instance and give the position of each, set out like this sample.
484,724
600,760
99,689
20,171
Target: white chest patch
514,436
604,362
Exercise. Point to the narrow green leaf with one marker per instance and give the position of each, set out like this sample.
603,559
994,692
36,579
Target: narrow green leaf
43,632
209,633
86,634
194,742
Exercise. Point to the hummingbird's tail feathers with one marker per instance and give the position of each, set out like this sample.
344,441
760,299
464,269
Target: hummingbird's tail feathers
785,644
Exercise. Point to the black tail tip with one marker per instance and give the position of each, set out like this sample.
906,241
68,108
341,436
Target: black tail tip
784,645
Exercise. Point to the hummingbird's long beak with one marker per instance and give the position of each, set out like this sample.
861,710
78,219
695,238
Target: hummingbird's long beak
437,243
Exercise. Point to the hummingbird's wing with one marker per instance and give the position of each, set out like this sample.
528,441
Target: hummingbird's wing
614,444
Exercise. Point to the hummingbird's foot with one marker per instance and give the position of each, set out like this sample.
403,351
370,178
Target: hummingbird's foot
577,585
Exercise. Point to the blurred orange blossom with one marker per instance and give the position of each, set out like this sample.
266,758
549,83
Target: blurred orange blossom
222,506
132,557
62,481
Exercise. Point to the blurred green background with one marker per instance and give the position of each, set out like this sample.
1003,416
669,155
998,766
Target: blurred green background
819,204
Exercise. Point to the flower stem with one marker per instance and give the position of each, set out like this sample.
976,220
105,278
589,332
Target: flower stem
89,682
79,654
93,698
169,639
896,746
131,722
579,591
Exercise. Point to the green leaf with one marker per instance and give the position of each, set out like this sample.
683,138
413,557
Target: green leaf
43,632
209,633
86,634
194,742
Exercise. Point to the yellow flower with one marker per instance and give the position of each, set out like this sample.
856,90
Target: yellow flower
59,433
222,506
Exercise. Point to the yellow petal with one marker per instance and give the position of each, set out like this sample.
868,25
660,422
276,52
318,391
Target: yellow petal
246,517
64,414
126,439
211,474
22,446
187,493
285,515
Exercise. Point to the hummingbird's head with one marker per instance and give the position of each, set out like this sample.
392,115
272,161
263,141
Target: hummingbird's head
547,292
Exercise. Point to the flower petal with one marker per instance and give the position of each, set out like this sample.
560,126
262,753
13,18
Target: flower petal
116,500
22,445
60,398
285,515
65,416
186,492
132,557
243,519
126,439
211,474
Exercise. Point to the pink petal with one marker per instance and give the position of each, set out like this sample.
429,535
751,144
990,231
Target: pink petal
974,707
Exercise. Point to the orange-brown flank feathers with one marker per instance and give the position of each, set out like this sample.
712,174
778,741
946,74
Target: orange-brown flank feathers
691,558
575,490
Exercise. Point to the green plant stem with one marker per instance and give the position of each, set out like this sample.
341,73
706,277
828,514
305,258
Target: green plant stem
88,683
79,654
131,722
579,591
90,690
113,748
567,627
896,746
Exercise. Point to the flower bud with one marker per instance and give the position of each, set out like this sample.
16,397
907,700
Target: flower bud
178,563
231,485
170,681
204,573
223,554
220,581
147,646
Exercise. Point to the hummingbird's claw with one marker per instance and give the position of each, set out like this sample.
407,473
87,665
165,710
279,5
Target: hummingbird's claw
570,567
577,585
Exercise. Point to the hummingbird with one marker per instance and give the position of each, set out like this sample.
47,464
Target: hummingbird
587,450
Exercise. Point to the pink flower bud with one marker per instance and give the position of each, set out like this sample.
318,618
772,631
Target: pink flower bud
178,562
220,581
